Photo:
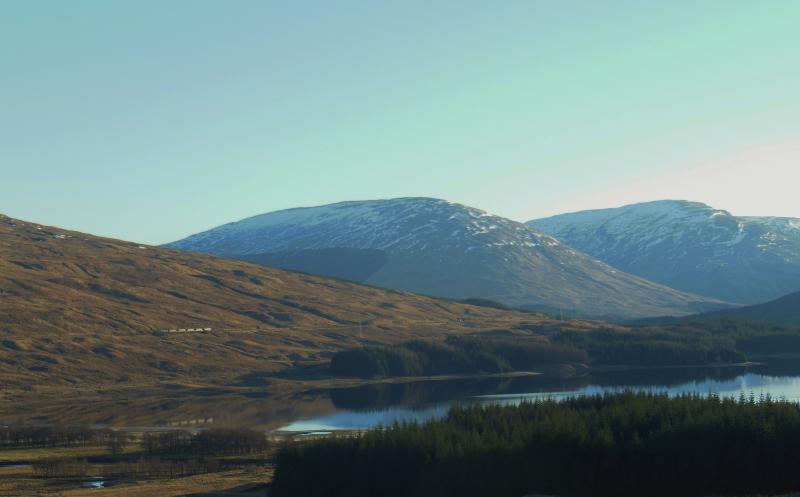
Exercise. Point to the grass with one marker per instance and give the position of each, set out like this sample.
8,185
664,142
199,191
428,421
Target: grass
74,306
248,479
36,454
223,483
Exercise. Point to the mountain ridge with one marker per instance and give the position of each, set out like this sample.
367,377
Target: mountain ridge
690,246
784,310
436,247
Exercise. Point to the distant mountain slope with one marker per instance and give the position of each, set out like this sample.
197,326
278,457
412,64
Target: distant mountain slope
690,246
783,310
440,248
81,311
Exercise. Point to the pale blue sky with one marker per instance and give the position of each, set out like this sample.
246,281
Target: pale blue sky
152,120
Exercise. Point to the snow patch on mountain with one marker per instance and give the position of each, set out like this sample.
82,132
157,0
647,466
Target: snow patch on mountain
391,225
680,243
442,248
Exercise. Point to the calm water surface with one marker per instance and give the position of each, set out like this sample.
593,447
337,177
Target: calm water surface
375,405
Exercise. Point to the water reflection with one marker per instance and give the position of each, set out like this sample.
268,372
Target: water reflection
320,410
374,405
97,482
423,393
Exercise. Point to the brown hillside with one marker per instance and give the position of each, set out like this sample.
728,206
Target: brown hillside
80,312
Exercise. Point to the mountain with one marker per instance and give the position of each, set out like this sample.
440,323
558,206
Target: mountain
79,312
785,310
436,247
690,246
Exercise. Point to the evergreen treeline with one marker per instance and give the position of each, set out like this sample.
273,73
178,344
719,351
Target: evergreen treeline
216,441
457,355
755,338
778,343
653,347
17,436
169,454
616,445
726,341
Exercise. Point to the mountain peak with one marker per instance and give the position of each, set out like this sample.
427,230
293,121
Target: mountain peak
389,224
689,246
328,212
437,247
667,208
676,205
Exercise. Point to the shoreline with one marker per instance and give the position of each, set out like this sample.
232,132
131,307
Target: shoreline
277,384
624,367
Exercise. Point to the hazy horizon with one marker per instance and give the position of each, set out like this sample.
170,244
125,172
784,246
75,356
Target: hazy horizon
151,121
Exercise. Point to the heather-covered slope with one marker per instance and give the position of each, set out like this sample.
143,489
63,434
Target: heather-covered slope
79,311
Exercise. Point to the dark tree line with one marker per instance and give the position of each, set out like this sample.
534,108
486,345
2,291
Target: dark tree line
18,436
216,441
652,347
456,355
776,343
721,341
169,454
615,445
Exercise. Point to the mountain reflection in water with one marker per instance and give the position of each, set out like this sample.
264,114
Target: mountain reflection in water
375,405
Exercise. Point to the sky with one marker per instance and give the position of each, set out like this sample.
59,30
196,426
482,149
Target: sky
153,120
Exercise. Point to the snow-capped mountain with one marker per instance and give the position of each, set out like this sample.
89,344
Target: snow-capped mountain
690,246
444,249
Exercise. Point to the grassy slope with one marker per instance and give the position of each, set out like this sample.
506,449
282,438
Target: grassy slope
16,482
783,310
77,315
